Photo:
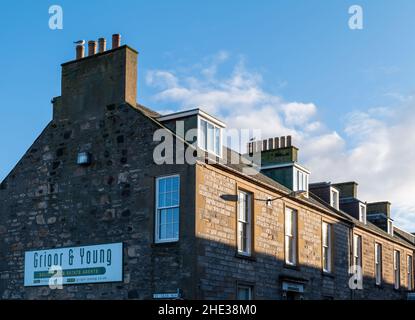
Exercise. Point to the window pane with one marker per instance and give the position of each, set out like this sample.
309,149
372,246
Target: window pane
325,240
242,207
175,183
240,237
210,137
288,249
244,293
325,259
203,134
169,228
168,201
175,215
288,222
176,230
291,250
162,231
217,141
163,217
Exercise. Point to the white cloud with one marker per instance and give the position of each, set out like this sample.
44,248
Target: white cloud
375,148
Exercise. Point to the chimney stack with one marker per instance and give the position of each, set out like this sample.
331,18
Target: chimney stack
80,51
102,45
347,189
116,40
89,85
92,47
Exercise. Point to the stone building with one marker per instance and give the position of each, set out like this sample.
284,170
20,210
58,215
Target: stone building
220,227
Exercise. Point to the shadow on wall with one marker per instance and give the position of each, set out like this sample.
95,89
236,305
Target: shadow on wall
222,270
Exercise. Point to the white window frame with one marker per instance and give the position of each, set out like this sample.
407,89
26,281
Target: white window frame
247,221
326,246
243,286
362,213
409,272
378,264
332,203
300,180
199,142
357,251
396,269
290,236
157,215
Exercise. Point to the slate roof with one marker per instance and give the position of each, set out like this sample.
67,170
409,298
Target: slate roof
312,200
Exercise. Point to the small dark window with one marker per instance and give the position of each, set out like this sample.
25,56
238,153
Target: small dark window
245,292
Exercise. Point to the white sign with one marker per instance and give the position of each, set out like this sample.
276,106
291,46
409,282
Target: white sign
166,295
89,264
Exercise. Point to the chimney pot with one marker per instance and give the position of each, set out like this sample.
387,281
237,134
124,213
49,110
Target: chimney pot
264,145
102,45
282,139
92,47
289,141
276,143
80,51
116,40
270,144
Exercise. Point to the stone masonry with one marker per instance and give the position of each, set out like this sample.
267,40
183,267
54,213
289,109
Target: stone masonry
49,201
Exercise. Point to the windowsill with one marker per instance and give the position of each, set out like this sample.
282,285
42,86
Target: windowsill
212,153
291,266
245,256
172,243
327,274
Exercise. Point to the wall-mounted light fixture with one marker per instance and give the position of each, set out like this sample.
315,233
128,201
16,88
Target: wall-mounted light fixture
293,194
83,159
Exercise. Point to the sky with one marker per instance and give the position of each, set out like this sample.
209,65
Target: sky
286,67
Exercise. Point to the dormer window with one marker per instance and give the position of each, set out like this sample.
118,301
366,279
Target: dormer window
300,182
362,213
334,198
210,137
208,128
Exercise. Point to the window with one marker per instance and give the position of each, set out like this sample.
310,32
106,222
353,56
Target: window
334,198
410,275
300,182
244,223
290,236
362,213
326,244
167,208
245,292
390,227
378,263
397,268
210,137
357,251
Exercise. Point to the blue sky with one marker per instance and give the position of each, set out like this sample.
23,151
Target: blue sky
356,85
